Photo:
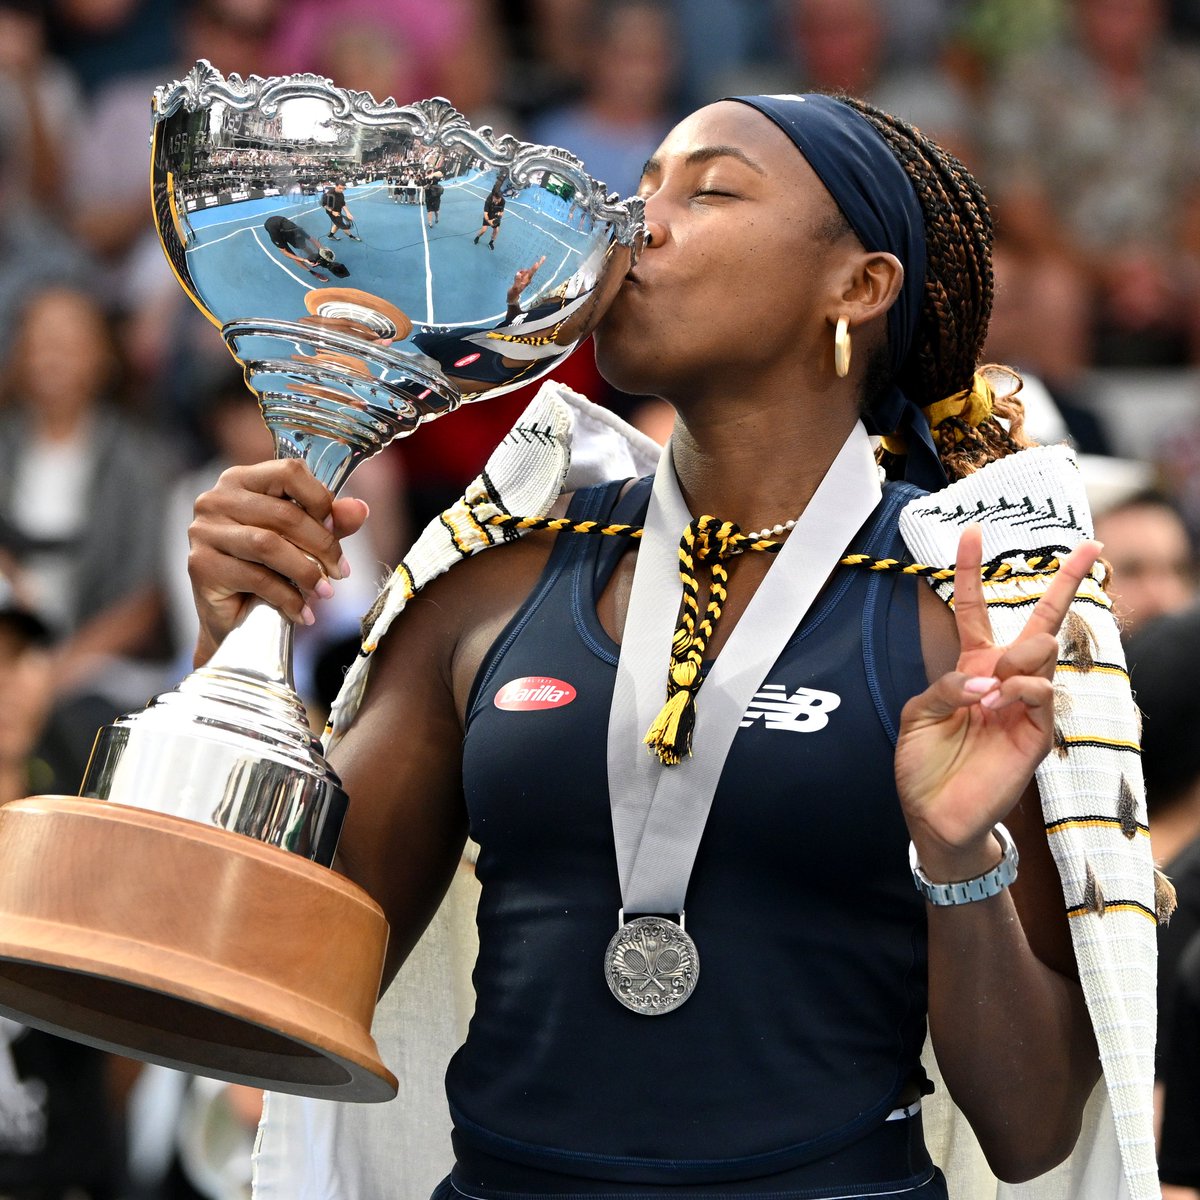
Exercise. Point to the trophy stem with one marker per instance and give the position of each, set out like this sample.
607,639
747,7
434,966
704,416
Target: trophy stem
260,647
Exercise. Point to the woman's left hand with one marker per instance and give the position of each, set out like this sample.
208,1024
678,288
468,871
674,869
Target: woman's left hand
969,743
522,279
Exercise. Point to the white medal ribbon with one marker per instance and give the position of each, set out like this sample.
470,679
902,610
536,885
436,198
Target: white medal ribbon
659,812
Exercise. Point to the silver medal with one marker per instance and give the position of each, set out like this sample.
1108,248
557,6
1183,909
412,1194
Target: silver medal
651,965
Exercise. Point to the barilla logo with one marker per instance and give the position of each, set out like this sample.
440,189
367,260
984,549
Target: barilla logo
532,692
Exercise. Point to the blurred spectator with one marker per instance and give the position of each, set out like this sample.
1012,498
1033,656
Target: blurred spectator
1146,542
550,40
917,32
1185,19
1177,461
840,45
81,498
991,32
34,250
844,46
368,55
1162,658
40,104
1042,323
25,692
57,1138
190,1138
369,52
105,39
111,212
716,41
1095,178
450,46
1179,1159
111,158
216,1138
627,105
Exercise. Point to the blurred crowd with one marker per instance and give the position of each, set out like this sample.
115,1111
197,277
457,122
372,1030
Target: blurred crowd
118,402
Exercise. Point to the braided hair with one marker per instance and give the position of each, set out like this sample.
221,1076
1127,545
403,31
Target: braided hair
957,304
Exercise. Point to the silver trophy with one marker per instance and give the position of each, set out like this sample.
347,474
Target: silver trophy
372,266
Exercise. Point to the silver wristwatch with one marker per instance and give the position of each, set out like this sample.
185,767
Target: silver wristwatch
966,891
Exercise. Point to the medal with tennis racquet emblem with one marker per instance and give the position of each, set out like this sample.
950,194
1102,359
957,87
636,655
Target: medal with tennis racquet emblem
651,965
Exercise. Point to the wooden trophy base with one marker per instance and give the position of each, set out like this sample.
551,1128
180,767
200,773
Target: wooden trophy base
183,944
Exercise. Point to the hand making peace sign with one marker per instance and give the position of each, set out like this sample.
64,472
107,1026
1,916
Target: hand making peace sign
522,279
969,743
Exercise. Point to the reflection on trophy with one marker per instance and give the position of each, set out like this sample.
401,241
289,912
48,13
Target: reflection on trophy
182,909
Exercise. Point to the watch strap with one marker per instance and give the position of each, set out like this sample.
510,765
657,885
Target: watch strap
967,891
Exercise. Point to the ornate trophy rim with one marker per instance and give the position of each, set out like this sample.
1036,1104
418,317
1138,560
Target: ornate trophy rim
432,119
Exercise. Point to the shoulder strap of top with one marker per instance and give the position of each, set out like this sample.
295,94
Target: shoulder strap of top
587,504
627,509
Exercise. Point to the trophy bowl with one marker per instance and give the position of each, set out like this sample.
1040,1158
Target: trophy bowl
372,266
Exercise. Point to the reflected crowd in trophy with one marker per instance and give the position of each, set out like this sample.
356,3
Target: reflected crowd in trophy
119,403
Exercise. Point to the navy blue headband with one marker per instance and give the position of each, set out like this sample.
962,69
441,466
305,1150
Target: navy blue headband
868,184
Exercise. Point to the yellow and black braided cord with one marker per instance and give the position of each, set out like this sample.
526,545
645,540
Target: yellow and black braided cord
711,540
706,539
1035,564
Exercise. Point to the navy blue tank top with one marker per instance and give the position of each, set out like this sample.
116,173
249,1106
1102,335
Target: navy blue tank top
809,1015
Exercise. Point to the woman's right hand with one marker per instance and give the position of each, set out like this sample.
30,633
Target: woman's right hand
270,531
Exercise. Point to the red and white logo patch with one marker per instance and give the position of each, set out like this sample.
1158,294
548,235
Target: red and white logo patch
533,692
468,359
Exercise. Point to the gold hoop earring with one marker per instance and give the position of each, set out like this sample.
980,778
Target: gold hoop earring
841,347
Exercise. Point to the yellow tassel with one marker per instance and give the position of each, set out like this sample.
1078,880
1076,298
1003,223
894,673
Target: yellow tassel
670,733
684,673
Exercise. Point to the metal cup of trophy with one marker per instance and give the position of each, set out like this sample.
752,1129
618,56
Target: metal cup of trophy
372,266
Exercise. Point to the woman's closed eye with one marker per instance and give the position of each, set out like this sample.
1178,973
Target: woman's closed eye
709,192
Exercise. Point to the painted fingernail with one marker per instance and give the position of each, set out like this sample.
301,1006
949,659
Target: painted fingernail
344,567
990,700
324,589
328,522
306,615
979,684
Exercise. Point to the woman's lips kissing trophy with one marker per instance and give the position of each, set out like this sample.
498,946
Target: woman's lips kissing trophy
181,909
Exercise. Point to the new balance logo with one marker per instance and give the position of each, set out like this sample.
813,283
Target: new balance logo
805,711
